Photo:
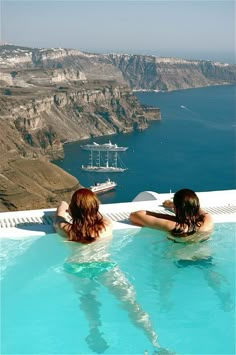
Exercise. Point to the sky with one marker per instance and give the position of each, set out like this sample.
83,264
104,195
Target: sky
187,29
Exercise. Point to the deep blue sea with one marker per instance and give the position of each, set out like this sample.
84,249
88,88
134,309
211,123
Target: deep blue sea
193,146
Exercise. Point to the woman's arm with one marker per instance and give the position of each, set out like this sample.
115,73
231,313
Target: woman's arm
62,209
153,220
61,224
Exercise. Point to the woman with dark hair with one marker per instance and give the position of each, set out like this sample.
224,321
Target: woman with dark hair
81,221
189,224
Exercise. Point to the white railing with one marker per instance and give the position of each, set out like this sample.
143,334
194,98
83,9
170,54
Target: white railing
221,204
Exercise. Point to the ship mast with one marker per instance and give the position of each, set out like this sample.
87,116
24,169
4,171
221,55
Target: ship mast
115,159
99,159
91,158
107,159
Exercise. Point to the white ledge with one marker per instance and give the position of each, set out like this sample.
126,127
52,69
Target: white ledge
33,223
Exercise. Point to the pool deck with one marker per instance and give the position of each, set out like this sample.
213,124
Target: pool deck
20,224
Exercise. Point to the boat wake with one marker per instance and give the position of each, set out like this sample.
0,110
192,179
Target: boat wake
185,108
188,109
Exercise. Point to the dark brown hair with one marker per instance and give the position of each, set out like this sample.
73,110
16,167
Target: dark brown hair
187,210
87,222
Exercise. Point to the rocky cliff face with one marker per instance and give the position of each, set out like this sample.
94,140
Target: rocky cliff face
51,96
90,66
38,123
138,71
43,78
153,73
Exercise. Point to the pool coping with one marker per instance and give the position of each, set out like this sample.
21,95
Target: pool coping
20,224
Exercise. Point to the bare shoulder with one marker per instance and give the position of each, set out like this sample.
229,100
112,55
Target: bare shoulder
107,220
107,231
208,224
61,226
61,223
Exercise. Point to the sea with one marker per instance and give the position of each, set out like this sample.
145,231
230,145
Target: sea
193,146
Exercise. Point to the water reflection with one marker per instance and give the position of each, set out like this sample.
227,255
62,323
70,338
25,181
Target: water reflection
198,256
89,269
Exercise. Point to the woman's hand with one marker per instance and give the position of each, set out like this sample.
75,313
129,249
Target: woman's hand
62,209
60,221
64,205
168,204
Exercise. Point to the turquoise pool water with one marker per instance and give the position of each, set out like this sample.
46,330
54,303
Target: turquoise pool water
119,296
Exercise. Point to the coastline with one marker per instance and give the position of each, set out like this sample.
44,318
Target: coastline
151,160
183,89
143,91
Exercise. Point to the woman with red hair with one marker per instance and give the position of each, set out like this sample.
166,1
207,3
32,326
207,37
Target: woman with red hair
85,223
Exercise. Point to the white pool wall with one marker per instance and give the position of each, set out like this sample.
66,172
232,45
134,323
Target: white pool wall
221,204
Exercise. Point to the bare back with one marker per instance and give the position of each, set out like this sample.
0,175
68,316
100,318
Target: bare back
167,222
63,225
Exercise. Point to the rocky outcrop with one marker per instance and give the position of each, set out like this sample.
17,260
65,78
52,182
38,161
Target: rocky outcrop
40,78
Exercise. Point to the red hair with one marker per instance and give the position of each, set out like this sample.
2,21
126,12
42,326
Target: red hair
87,222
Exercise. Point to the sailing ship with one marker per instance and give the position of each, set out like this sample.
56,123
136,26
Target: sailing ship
104,160
101,187
104,147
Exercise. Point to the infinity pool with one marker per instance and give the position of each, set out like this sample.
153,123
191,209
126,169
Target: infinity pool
139,293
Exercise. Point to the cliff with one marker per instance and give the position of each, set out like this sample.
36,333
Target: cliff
38,122
138,71
166,74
